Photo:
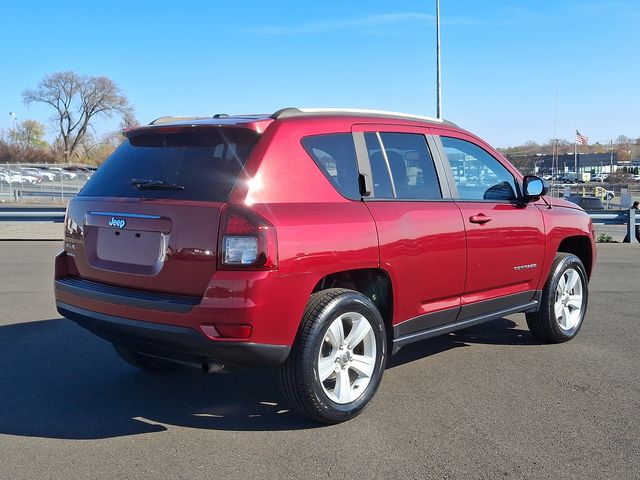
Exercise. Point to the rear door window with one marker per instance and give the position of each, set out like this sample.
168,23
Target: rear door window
192,163
335,155
402,166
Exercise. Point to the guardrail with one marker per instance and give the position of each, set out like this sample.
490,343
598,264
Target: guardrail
33,214
618,217
630,217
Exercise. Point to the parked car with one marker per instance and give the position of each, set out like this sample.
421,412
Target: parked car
36,173
319,242
39,173
600,177
62,173
16,177
635,178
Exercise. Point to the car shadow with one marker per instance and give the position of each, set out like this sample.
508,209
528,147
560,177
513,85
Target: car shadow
59,381
496,332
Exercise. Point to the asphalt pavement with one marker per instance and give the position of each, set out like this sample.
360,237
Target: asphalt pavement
488,402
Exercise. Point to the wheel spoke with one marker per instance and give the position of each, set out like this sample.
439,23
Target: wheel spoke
557,307
566,317
342,391
359,331
572,279
336,333
326,366
363,365
575,301
561,284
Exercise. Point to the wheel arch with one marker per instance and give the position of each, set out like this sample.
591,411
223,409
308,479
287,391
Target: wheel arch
580,246
373,283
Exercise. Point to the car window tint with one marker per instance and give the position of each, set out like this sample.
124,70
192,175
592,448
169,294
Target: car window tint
335,154
379,171
414,174
203,163
478,175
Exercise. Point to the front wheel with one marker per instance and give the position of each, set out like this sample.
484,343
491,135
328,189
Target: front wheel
337,361
564,301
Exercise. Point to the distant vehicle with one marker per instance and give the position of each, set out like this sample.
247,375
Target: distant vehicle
62,173
11,177
576,177
547,177
600,177
39,174
635,178
25,177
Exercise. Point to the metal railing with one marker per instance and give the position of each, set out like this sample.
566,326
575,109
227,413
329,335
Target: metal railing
33,214
628,217
618,217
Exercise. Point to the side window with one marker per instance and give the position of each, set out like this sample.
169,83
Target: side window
335,154
379,169
478,175
410,167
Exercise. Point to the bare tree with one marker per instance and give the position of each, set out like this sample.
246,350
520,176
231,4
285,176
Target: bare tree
77,101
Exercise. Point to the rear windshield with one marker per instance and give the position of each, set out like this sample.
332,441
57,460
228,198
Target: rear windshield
193,163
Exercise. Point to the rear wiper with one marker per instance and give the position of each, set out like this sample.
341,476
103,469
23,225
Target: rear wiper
154,185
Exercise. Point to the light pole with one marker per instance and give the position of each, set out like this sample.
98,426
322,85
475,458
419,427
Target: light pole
611,148
439,79
13,132
14,137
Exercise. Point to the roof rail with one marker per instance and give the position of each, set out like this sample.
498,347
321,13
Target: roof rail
297,112
171,118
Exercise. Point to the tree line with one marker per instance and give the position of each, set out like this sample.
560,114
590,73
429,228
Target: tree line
524,157
77,102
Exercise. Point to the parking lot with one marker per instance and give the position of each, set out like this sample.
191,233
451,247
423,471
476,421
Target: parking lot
41,183
487,402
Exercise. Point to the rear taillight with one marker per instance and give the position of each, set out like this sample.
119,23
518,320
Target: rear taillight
246,242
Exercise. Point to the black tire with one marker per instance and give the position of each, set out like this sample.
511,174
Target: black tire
299,376
545,324
144,362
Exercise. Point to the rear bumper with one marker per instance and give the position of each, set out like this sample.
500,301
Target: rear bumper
174,342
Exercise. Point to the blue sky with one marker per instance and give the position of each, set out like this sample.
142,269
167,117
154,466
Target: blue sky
503,61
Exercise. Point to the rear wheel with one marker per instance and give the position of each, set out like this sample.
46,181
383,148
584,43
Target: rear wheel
564,301
337,361
144,362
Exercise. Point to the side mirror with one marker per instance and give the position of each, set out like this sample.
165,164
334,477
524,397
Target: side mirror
533,188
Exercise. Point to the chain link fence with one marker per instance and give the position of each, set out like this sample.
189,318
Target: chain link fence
34,183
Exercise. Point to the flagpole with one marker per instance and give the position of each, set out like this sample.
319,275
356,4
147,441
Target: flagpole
575,155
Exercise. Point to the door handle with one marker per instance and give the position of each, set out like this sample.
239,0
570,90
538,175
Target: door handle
481,218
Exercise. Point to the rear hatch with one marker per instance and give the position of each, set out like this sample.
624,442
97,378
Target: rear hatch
148,218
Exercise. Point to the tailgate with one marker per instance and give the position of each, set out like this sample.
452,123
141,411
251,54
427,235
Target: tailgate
148,218
156,246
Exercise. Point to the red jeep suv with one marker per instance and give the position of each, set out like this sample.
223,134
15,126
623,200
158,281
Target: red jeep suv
317,241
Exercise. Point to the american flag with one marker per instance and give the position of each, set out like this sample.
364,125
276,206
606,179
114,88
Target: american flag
581,139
